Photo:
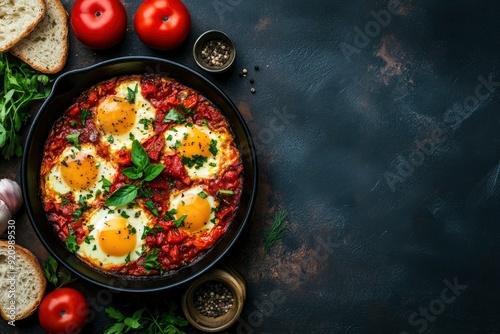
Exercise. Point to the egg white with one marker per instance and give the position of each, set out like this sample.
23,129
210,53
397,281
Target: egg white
91,250
56,185
140,131
214,164
178,198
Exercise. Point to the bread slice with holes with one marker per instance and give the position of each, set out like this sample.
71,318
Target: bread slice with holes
22,282
17,19
46,47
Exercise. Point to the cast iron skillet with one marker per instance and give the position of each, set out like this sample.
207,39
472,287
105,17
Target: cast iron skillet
70,85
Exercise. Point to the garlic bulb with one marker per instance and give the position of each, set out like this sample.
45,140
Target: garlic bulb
10,201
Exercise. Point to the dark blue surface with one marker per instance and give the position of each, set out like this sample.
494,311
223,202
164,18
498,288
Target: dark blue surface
374,244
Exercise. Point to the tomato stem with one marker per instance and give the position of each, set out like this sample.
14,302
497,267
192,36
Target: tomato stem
62,313
98,14
165,19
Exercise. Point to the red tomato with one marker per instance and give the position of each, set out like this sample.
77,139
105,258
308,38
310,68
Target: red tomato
64,310
99,24
162,24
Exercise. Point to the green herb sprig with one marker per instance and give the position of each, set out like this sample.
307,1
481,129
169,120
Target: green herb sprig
157,321
19,85
142,170
58,277
273,235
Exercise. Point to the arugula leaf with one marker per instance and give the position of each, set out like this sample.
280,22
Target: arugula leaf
122,196
84,113
174,116
131,94
73,138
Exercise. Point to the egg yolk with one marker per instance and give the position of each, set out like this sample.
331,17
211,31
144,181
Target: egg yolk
117,238
196,142
79,171
197,211
116,115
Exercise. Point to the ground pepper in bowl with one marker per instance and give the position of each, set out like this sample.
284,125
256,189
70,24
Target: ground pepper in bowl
213,299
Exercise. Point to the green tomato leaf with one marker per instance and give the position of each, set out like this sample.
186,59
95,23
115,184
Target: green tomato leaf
123,195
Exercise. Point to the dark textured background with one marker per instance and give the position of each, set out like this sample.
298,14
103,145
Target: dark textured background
372,242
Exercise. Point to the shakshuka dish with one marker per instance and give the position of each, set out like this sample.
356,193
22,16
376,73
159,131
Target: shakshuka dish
141,175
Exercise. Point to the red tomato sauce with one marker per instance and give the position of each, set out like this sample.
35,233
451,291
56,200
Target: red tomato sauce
175,247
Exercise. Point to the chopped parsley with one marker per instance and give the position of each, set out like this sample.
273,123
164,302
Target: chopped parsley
185,110
174,116
124,214
203,194
73,138
84,114
213,147
110,139
131,94
152,207
195,161
71,240
89,238
106,184
151,261
146,122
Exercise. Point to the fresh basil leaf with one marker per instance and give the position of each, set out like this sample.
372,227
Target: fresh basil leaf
152,171
140,157
123,195
132,173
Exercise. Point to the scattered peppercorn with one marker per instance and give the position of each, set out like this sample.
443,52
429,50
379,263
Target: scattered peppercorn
252,90
213,299
216,53
256,67
252,80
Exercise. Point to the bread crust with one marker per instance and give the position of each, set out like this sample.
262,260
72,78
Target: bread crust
27,29
20,50
28,256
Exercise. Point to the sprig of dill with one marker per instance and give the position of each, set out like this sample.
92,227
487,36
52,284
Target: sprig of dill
273,235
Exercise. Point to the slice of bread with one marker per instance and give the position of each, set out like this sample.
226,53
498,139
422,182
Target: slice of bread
46,47
17,19
22,281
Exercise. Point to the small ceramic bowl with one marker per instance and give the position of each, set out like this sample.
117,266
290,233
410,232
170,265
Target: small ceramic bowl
202,42
233,281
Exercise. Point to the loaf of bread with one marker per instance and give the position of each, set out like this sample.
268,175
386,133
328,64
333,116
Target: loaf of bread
46,48
17,19
22,282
